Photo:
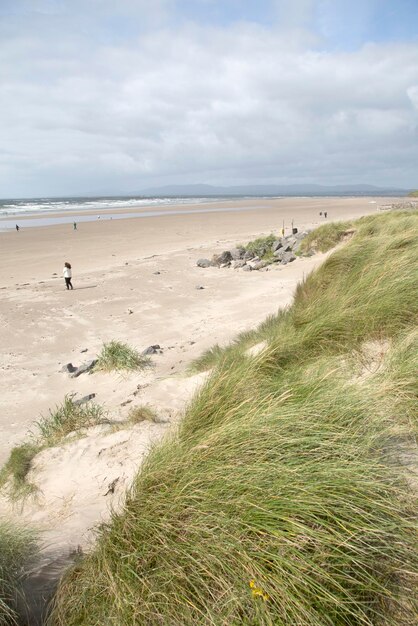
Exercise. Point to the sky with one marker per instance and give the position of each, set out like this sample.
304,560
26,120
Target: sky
115,96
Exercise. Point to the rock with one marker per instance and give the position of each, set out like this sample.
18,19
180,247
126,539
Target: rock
84,399
202,263
199,287
157,273
237,253
83,350
288,257
69,368
222,259
253,262
225,265
277,245
237,264
151,350
130,311
247,268
126,402
85,367
248,255
258,265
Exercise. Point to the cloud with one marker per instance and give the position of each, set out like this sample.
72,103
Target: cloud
86,108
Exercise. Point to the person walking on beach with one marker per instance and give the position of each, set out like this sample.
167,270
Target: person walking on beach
75,225
17,228
67,275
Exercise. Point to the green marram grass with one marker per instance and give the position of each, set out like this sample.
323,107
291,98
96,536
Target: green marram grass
281,499
261,247
118,356
325,237
51,430
17,547
67,418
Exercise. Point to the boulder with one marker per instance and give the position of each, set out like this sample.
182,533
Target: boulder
222,259
258,265
199,287
203,263
248,255
288,257
85,367
237,253
277,245
247,268
237,264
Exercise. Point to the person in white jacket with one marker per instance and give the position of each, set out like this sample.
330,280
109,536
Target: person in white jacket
67,275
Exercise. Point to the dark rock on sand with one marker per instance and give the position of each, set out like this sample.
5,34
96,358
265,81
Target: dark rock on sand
69,368
84,399
85,367
151,350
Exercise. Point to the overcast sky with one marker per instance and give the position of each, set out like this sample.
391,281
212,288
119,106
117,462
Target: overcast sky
113,96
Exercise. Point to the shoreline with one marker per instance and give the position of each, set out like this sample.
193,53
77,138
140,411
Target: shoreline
216,205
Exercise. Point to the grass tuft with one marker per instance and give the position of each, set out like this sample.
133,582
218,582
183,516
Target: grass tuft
142,413
17,547
65,419
17,467
261,247
117,356
50,431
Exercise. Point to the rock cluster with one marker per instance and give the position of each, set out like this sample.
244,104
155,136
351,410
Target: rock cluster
282,251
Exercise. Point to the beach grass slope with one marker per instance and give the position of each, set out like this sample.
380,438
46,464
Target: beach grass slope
17,547
284,498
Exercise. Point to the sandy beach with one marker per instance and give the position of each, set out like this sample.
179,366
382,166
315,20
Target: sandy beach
134,281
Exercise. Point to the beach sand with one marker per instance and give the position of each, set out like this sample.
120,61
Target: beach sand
134,281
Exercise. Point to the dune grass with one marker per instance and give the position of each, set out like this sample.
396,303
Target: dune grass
50,430
65,419
281,499
325,237
118,356
17,547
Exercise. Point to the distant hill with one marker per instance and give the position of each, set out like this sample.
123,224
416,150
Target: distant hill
267,190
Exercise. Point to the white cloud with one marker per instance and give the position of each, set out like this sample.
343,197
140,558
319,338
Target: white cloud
219,105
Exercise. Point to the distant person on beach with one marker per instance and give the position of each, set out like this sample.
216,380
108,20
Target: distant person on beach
17,228
75,225
325,214
67,275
